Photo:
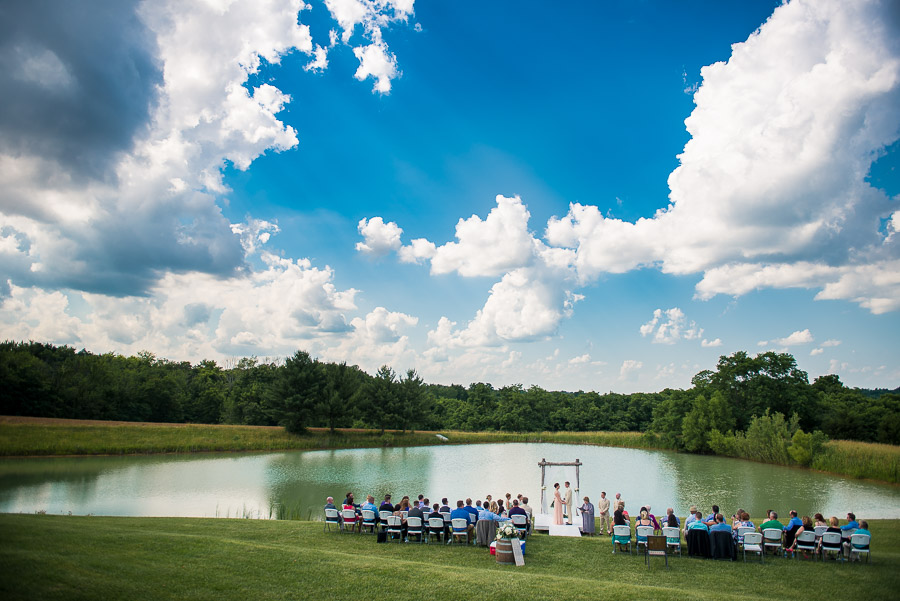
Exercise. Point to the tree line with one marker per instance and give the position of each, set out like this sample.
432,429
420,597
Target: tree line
748,406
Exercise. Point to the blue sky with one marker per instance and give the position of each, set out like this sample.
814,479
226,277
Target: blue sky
606,197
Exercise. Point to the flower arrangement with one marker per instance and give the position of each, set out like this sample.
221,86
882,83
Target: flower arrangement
507,530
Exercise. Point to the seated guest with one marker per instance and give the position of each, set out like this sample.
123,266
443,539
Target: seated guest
619,516
672,519
478,506
471,510
352,522
720,525
421,502
690,518
416,512
329,503
370,506
436,514
349,500
772,522
744,523
851,524
461,513
863,529
517,509
500,508
386,504
790,531
491,514
698,523
445,507
401,508
833,526
805,525
819,520
652,519
710,520
524,505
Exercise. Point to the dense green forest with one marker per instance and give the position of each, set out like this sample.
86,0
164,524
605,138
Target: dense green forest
761,407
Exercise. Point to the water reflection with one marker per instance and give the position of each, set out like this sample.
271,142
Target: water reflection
251,484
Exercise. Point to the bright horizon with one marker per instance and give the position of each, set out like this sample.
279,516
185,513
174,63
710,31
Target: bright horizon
605,200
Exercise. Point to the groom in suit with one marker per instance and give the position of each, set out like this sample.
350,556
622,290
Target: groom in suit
570,509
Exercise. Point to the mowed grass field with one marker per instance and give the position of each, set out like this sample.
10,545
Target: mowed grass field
67,557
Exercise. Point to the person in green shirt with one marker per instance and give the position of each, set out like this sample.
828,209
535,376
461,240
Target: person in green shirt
772,522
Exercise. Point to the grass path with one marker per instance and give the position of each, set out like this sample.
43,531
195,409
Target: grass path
68,557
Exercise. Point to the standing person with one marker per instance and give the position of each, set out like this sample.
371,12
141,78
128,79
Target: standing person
587,517
557,506
570,507
603,507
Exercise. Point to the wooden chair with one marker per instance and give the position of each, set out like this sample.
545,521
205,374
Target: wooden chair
655,545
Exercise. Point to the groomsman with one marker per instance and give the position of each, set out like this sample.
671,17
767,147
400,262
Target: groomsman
603,508
570,508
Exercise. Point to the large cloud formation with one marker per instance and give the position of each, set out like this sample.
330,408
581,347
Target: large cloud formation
771,189
115,125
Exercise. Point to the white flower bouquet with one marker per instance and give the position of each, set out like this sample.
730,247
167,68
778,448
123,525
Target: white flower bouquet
507,530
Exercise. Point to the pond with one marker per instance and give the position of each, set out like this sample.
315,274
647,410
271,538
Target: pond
255,485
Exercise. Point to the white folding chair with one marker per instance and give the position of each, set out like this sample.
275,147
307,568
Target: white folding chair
772,538
435,528
820,530
350,519
640,535
753,544
382,518
414,528
831,543
741,531
859,544
459,527
395,527
368,521
521,523
332,517
621,538
673,538
805,541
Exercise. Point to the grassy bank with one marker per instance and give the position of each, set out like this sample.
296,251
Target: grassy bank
35,436
59,557
41,436
860,460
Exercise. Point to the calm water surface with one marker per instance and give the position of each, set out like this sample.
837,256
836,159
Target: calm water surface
251,484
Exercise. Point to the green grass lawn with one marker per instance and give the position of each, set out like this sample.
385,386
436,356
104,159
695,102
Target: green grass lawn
67,557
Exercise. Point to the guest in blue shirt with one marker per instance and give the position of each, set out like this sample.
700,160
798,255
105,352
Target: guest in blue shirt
720,525
491,514
851,523
471,510
795,522
461,513
698,523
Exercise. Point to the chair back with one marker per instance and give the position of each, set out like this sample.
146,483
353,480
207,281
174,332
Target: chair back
642,532
368,517
806,537
414,525
859,541
384,515
752,538
436,523
459,524
518,519
772,535
331,515
446,515
404,514
673,535
656,544
845,534
832,540
349,515
624,531
820,530
742,530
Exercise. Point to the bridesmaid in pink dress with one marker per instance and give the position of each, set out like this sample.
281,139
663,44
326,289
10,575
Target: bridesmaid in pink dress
557,506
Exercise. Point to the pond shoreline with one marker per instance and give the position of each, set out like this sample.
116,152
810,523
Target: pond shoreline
33,437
